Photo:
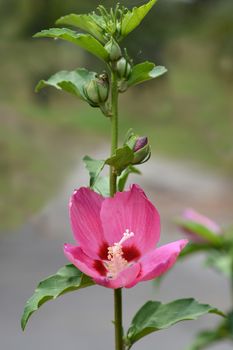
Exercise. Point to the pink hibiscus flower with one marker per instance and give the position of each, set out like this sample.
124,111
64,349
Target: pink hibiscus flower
117,237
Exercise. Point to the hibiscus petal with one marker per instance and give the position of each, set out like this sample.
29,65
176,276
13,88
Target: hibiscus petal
125,278
157,262
79,259
85,206
131,210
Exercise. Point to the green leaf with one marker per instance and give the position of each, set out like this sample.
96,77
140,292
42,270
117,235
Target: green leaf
154,316
124,176
86,41
121,159
133,18
94,168
101,186
145,71
88,23
206,338
220,261
67,279
201,231
72,82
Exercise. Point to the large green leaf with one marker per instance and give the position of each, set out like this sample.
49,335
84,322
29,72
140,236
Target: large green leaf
121,159
145,71
67,279
154,316
94,167
133,18
72,82
89,23
86,41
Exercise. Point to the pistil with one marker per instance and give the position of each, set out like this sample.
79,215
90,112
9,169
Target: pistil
117,262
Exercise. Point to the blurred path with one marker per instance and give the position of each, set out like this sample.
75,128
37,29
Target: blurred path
82,320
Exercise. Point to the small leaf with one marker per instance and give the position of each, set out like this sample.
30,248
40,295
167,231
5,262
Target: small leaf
72,82
154,316
124,176
206,338
122,158
94,168
88,23
221,261
86,41
133,18
101,186
201,231
145,71
67,279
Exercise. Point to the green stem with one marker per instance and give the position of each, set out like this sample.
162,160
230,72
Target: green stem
118,319
113,190
114,121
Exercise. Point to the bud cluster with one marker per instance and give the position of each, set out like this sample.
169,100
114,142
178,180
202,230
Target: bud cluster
119,63
97,90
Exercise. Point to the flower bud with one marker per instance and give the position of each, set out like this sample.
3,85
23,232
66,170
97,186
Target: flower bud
113,49
141,148
97,90
123,68
201,222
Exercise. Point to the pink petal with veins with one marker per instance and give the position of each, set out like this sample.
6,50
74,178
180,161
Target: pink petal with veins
85,206
161,259
131,210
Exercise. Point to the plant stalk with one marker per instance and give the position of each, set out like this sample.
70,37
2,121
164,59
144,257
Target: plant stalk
113,190
114,132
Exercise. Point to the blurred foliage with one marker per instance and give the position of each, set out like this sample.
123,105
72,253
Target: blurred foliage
189,112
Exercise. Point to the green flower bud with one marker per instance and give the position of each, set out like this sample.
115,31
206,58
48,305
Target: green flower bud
124,68
141,148
97,90
113,49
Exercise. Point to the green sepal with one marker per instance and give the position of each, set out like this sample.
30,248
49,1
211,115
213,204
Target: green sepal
86,41
201,231
124,176
70,81
155,316
67,279
145,71
121,159
87,22
94,167
133,18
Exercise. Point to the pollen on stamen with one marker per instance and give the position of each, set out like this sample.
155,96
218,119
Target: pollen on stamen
117,262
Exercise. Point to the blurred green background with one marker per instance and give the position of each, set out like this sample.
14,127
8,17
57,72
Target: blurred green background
187,114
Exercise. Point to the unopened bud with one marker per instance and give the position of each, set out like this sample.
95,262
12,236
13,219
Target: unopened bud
141,148
97,90
123,68
140,143
113,49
